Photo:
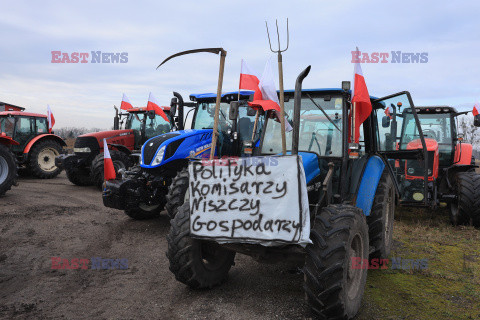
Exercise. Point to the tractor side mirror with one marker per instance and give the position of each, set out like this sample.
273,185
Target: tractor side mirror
233,111
476,120
251,112
151,114
386,121
173,106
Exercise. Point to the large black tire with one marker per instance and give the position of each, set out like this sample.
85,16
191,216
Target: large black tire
196,263
466,208
8,169
120,160
79,176
144,212
176,192
41,159
334,289
380,220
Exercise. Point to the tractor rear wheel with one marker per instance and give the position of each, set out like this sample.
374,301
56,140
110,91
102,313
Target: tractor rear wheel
120,161
177,192
380,220
334,285
466,209
79,176
8,169
196,263
41,159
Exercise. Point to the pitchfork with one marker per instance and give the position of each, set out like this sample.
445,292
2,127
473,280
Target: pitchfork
280,81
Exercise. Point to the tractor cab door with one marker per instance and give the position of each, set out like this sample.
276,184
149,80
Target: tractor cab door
400,139
24,132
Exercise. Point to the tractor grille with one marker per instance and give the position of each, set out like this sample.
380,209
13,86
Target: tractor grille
151,146
172,147
415,167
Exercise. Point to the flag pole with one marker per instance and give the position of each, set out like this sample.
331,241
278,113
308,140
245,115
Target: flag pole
255,124
223,54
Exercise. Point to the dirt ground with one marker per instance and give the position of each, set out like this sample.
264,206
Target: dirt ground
41,219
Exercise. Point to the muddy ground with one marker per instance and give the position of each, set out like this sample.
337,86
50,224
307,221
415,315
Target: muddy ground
41,219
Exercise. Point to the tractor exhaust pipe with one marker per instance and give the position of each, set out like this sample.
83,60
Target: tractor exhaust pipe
180,105
116,120
297,105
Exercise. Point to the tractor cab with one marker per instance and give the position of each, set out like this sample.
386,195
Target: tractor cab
22,127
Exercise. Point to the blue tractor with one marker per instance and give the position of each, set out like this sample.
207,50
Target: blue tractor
144,190
351,190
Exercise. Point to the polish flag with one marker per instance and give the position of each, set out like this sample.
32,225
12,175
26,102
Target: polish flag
108,168
361,99
50,119
249,81
125,105
476,109
153,105
269,99
388,112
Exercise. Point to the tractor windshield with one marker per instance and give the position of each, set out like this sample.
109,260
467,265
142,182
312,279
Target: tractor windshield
7,124
205,115
436,126
317,133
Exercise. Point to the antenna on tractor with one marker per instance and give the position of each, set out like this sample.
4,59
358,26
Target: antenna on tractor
280,79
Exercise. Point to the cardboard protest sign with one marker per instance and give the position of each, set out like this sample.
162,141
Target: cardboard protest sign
250,200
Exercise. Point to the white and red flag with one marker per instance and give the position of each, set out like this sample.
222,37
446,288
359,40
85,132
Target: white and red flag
360,100
153,105
249,81
108,168
269,98
50,119
125,105
476,109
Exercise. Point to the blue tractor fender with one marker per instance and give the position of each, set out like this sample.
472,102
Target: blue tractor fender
182,144
369,183
310,165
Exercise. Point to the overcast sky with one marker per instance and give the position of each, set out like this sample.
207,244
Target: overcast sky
322,33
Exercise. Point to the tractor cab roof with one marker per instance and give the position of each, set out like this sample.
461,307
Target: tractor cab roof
21,113
245,94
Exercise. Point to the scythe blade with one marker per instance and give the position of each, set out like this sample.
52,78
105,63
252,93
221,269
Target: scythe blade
211,50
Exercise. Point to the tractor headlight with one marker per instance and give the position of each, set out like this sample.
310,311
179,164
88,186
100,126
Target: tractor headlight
159,156
410,170
82,150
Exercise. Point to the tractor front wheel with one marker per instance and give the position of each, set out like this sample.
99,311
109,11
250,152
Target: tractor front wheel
79,176
120,161
196,263
8,169
41,159
466,208
380,220
177,192
335,272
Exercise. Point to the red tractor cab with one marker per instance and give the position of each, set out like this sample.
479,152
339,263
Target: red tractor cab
37,148
448,174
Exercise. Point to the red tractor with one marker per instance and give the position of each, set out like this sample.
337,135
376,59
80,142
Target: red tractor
35,148
85,166
8,164
447,177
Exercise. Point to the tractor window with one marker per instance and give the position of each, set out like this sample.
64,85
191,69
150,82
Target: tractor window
24,130
6,125
156,126
205,115
317,133
42,125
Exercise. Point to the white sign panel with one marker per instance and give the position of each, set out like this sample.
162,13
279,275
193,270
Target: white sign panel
250,200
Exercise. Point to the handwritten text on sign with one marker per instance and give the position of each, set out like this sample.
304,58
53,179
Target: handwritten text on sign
249,201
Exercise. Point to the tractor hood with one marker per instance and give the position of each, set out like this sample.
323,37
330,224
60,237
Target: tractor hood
178,145
108,134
